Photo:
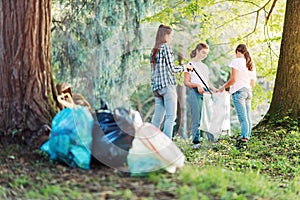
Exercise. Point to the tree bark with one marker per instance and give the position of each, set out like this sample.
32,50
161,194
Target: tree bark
181,112
180,127
286,95
27,91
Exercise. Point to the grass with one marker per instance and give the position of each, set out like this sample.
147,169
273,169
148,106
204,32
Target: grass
268,169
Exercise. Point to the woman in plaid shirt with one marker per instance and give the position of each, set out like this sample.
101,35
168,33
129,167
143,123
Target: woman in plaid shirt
163,80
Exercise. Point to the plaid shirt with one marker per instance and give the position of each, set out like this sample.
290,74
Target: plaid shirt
163,73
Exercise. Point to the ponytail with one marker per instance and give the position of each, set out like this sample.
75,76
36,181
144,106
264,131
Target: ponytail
199,47
249,63
243,49
193,53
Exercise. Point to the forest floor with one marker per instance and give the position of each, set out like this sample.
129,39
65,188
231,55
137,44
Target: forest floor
268,169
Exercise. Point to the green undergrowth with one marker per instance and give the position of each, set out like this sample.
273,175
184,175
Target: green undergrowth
267,169
275,153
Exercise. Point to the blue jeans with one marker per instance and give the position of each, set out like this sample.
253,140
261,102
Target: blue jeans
242,103
195,100
166,106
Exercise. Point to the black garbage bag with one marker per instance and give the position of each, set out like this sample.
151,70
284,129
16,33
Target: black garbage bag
113,133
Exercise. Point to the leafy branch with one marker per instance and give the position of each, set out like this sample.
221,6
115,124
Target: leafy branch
75,11
271,10
250,13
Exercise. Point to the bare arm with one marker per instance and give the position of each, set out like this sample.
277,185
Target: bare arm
187,82
212,87
231,80
252,83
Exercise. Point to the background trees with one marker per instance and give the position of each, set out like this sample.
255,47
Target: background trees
96,47
221,24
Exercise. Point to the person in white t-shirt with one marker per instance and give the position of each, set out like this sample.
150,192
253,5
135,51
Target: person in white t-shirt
197,88
241,81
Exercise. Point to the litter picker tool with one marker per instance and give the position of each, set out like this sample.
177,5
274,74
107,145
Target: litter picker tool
200,78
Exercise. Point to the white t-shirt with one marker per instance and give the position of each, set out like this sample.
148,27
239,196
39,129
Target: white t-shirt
243,74
203,71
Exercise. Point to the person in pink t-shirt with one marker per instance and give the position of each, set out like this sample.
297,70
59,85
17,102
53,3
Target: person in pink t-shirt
241,81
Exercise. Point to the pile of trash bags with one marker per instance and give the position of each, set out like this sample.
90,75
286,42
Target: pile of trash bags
123,141
118,139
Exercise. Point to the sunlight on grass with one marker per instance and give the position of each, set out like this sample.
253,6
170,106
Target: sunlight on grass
2,192
267,169
218,183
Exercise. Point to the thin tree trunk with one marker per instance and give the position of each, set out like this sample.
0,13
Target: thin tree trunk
182,113
181,107
27,92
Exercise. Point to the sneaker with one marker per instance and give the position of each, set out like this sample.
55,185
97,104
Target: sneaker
242,144
196,146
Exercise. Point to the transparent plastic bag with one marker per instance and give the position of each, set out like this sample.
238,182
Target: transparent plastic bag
152,150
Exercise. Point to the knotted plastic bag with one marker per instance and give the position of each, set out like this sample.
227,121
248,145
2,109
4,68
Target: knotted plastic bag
71,137
152,150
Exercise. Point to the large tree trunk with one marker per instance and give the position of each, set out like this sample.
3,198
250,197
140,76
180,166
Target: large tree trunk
286,96
27,92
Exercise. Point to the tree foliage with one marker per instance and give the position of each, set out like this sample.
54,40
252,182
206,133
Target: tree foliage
104,45
95,46
224,24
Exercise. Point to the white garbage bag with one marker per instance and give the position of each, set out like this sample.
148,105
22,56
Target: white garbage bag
152,150
215,116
